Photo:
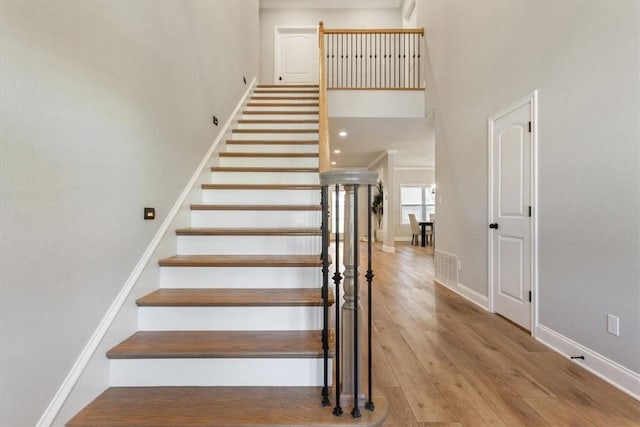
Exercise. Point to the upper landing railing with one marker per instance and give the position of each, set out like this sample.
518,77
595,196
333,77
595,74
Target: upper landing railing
365,59
389,59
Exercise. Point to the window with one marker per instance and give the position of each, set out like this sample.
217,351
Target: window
417,200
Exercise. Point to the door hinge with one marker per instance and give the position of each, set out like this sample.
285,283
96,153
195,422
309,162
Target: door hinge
529,296
529,127
529,211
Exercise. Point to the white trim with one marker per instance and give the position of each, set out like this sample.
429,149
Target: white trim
415,168
377,160
276,46
466,292
532,99
612,372
88,351
390,249
330,4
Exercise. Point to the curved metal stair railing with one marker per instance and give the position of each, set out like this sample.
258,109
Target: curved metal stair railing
348,372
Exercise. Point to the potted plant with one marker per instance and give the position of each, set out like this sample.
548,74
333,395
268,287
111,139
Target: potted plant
377,209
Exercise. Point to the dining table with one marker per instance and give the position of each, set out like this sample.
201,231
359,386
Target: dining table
423,232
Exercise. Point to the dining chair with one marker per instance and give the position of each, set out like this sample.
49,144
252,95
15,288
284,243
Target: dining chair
415,229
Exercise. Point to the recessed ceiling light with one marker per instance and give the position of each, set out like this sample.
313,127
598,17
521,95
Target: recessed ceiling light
343,133
333,163
337,151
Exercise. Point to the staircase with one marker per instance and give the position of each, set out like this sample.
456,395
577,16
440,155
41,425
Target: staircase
233,334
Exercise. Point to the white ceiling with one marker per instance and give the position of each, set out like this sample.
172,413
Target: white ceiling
369,139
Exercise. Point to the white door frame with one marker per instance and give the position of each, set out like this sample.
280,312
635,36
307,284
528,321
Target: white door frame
532,98
276,46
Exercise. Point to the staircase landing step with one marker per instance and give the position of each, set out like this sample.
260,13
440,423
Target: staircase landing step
219,406
219,344
241,261
294,297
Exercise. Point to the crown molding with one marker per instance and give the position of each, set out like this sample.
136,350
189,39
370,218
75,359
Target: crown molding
330,4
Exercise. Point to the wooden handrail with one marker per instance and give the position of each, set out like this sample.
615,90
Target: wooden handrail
323,113
376,31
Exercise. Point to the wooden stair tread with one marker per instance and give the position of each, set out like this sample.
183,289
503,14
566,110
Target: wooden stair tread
285,98
218,344
261,187
282,104
293,297
206,231
274,131
265,90
276,112
241,261
260,169
287,86
276,155
272,141
203,207
220,406
278,121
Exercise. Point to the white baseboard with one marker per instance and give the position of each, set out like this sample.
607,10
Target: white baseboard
89,350
389,249
615,374
464,291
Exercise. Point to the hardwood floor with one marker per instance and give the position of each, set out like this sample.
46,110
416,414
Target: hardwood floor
442,361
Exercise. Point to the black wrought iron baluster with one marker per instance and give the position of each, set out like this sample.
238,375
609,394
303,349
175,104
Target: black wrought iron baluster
355,412
419,69
325,293
369,276
337,278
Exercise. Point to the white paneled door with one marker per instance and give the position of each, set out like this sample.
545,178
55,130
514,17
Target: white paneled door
296,55
511,210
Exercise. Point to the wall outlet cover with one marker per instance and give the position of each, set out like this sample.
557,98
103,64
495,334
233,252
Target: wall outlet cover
613,324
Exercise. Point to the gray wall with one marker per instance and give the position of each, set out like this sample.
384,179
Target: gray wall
332,18
105,108
583,58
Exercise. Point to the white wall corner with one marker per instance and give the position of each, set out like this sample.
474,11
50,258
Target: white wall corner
612,372
89,351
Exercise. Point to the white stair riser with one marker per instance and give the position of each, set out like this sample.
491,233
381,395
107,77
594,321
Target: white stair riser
249,245
264,177
261,197
267,116
299,99
302,372
272,148
289,92
302,162
240,277
261,219
267,107
229,318
277,125
276,136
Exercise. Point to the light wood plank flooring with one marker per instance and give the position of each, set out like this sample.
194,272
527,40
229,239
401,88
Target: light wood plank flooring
442,361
